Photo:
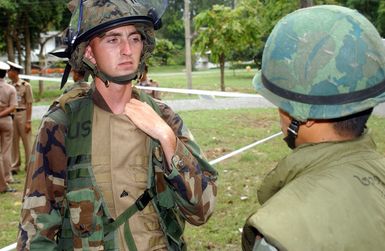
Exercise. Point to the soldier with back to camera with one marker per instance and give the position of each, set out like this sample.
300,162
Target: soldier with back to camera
8,104
22,119
324,67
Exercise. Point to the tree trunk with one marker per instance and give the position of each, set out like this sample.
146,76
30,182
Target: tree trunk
42,67
27,39
10,47
187,34
306,3
222,67
18,48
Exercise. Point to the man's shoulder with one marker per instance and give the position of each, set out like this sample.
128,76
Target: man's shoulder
55,115
153,82
75,92
11,87
25,83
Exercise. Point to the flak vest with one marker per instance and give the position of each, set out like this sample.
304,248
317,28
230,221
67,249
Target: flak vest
89,210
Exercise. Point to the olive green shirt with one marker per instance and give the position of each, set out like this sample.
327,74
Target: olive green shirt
326,196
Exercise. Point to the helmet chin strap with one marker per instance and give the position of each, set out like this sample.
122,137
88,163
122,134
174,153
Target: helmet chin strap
120,80
292,133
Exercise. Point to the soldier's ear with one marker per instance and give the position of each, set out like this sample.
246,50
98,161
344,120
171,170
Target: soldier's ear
310,123
88,54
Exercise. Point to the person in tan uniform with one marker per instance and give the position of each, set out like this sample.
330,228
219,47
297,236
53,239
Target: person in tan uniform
145,81
22,117
7,106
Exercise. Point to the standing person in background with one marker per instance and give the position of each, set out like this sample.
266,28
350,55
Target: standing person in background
8,104
113,169
79,81
324,68
22,117
145,81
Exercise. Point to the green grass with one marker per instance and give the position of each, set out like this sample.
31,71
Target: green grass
217,132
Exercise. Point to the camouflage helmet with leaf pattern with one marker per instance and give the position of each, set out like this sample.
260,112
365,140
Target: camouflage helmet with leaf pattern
93,17
323,62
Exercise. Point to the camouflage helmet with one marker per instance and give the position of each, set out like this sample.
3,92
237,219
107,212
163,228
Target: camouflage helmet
323,62
93,17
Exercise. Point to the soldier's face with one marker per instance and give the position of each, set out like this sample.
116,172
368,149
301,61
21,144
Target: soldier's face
12,74
117,52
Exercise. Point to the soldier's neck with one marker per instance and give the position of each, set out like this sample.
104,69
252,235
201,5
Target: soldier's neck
115,95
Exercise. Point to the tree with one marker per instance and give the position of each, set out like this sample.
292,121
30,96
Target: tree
218,31
306,3
26,21
7,20
374,10
164,50
173,27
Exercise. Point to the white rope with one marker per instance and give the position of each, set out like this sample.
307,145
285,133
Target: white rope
213,162
10,247
31,77
201,92
174,90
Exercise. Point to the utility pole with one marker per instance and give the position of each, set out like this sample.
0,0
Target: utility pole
306,3
187,35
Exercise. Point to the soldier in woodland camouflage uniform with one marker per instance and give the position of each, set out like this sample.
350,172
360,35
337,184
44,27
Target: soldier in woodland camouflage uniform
79,81
145,81
324,67
113,169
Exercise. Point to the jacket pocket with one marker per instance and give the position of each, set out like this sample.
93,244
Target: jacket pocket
84,205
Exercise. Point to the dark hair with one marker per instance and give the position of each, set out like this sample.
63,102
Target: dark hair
352,125
16,69
3,73
80,72
145,68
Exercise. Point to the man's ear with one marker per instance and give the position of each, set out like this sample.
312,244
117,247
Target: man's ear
88,54
309,123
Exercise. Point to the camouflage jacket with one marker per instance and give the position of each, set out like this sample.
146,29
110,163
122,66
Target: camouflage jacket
45,187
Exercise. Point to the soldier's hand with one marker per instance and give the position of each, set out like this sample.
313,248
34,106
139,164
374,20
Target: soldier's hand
146,119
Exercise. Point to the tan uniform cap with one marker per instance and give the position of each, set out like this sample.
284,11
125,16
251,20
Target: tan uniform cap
4,66
14,65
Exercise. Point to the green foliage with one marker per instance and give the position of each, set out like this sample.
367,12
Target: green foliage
218,31
37,16
164,50
374,10
173,25
380,22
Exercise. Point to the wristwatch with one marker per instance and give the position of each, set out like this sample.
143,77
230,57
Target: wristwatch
177,161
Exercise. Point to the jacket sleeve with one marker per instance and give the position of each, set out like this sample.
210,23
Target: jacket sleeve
41,218
191,176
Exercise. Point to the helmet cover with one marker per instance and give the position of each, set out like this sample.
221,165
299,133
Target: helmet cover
323,62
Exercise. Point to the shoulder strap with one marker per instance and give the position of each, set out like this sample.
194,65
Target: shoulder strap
71,95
